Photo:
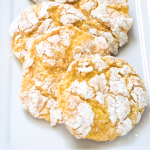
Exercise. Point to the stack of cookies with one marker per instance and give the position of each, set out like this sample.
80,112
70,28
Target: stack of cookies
68,74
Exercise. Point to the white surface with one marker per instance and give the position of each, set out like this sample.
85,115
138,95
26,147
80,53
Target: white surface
20,131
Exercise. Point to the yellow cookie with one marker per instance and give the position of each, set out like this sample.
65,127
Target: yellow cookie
101,18
101,98
58,1
47,61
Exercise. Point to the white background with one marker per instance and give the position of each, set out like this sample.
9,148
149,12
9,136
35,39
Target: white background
20,131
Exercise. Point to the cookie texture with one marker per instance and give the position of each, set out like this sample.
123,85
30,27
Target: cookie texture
108,18
101,98
47,61
58,1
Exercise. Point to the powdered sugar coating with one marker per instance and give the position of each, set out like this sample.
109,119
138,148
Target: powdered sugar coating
39,1
106,2
62,38
33,22
44,9
93,31
112,108
51,62
18,37
116,23
65,37
33,101
70,15
125,70
29,43
46,27
123,38
28,63
25,22
111,41
134,81
45,48
85,69
82,117
87,116
36,98
56,115
99,83
72,103
91,47
98,18
100,98
99,63
88,6
47,85
124,127
65,1
139,96
82,89
116,106
46,63
21,54
58,1
122,107
118,87
99,12
101,40
85,47
117,83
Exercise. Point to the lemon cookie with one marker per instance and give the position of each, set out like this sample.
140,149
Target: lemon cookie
101,98
58,1
39,19
109,19
47,61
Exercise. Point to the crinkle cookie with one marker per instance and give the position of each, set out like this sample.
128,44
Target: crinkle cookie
47,61
58,1
101,98
109,19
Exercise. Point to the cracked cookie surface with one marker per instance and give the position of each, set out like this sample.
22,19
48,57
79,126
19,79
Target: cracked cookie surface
101,98
46,63
58,1
108,18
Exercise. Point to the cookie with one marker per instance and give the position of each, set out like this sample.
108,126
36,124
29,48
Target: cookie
58,1
101,98
45,64
109,19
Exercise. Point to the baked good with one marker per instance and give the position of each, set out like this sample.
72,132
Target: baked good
37,20
101,98
46,62
58,1
107,18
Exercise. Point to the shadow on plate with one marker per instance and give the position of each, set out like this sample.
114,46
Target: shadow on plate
74,143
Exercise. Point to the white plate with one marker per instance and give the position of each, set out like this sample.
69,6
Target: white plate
20,131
